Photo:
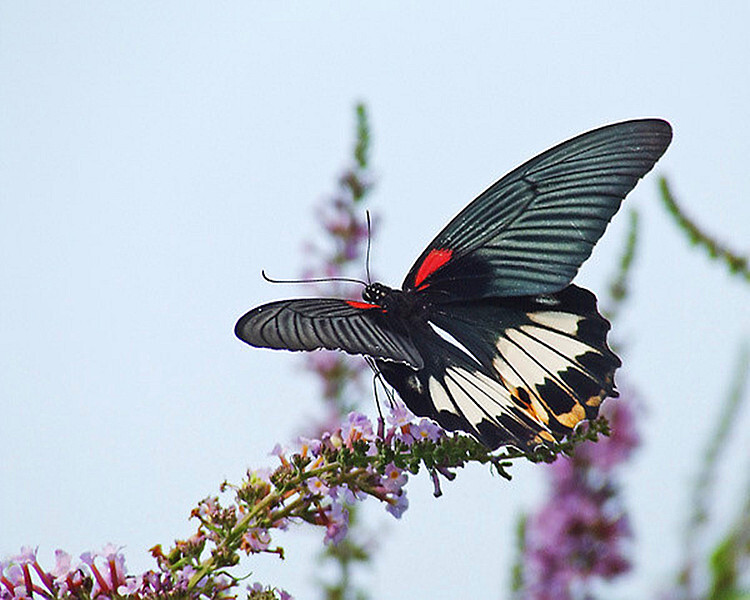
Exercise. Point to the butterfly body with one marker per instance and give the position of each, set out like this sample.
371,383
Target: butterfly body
487,335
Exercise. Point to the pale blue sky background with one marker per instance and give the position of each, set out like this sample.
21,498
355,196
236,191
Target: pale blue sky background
155,156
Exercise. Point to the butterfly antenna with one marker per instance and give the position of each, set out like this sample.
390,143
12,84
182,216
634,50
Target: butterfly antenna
375,376
270,279
369,240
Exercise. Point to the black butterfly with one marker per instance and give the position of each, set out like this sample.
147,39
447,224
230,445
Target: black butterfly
487,335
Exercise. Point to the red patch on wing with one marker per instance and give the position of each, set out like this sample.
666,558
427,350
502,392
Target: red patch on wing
435,259
362,305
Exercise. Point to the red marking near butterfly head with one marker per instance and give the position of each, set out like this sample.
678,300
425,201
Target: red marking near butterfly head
435,259
362,305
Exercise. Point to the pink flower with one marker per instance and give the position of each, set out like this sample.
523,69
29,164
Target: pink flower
337,523
343,494
427,430
394,478
573,538
616,448
398,505
317,486
257,539
357,427
13,577
67,574
26,557
309,446
277,451
399,415
111,575
581,533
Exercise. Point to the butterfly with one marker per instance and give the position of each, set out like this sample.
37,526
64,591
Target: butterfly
487,335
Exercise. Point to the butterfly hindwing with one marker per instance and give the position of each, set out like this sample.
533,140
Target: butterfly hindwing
461,395
530,231
314,323
519,371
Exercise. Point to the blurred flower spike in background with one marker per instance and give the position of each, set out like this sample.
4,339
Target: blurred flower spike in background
582,531
344,224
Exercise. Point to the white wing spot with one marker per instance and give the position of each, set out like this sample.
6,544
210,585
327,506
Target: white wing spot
548,359
560,321
453,342
511,353
526,371
547,300
494,391
506,372
440,397
468,406
490,399
568,346
414,383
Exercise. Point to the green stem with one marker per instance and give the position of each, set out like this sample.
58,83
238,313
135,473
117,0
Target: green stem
233,536
618,287
232,539
738,265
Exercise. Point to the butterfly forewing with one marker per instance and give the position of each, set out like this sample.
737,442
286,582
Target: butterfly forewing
531,231
314,323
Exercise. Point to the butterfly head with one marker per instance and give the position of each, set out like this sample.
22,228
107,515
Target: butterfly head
376,293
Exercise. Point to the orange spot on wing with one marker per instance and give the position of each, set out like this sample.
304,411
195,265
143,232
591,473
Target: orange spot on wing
573,417
529,404
435,259
545,436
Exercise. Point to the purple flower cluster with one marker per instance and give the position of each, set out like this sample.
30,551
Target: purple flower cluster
357,430
582,532
342,223
257,591
404,429
96,575
318,483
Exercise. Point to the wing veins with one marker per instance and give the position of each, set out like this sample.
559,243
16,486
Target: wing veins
449,375
580,367
553,377
479,389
